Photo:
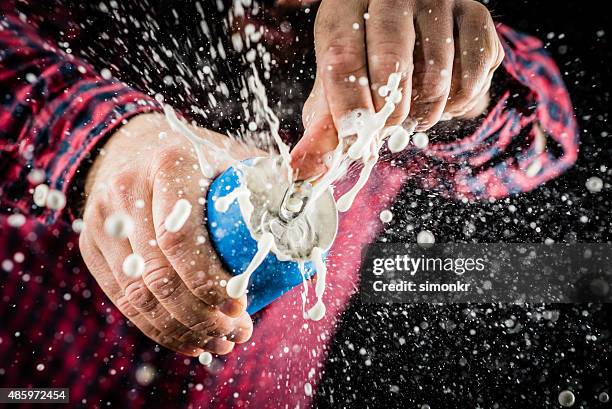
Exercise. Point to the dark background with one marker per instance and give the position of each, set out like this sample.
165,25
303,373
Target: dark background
443,365
461,356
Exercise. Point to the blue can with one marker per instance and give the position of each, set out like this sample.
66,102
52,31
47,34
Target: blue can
233,241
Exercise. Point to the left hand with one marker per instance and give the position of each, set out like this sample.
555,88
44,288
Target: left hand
445,50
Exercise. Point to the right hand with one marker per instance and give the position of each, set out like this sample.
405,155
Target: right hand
446,52
179,301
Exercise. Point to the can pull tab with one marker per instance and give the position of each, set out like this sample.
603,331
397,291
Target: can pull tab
295,199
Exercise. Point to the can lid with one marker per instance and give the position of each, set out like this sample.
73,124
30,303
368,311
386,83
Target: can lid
295,199
278,206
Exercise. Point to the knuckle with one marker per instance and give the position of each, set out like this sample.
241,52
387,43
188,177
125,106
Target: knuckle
175,329
431,90
139,296
166,340
123,181
467,91
85,247
193,338
343,58
172,244
169,157
477,12
207,325
122,187
208,291
162,283
425,6
95,209
501,54
490,54
125,306
387,60
398,116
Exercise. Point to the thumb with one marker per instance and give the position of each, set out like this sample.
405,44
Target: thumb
320,136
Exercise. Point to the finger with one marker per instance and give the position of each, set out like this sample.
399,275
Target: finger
243,329
124,191
476,106
433,63
187,247
161,278
390,52
159,292
97,265
192,288
341,57
477,55
220,346
320,136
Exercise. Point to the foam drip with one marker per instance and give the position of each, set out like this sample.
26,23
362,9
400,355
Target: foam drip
237,285
318,310
222,204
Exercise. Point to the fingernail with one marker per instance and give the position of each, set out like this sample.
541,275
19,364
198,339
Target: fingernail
410,124
231,307
219,346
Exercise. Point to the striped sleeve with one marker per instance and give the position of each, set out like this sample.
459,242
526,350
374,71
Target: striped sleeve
529,137
54,110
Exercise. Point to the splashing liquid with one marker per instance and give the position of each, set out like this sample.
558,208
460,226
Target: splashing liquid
360,139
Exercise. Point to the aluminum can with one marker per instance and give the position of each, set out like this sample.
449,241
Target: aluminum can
234,239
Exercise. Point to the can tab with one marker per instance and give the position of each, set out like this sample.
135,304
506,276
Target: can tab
294,201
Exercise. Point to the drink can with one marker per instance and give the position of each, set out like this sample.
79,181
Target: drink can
234,238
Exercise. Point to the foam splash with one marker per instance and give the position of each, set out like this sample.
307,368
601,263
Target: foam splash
178,216
360,141
370,135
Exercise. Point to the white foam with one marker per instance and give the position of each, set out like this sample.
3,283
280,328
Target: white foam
318,310
259,91
308,389
205,358
305,289
398,140
36,176
237,285
77,225
222,204
40,195
425,237
566,398
360,140
55,200
369,131
119,225
133,266
16,220
386,216
294,205
594,184
178,216
198,143
420,140
346,201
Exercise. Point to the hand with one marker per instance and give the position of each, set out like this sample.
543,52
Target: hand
445,50
178,301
